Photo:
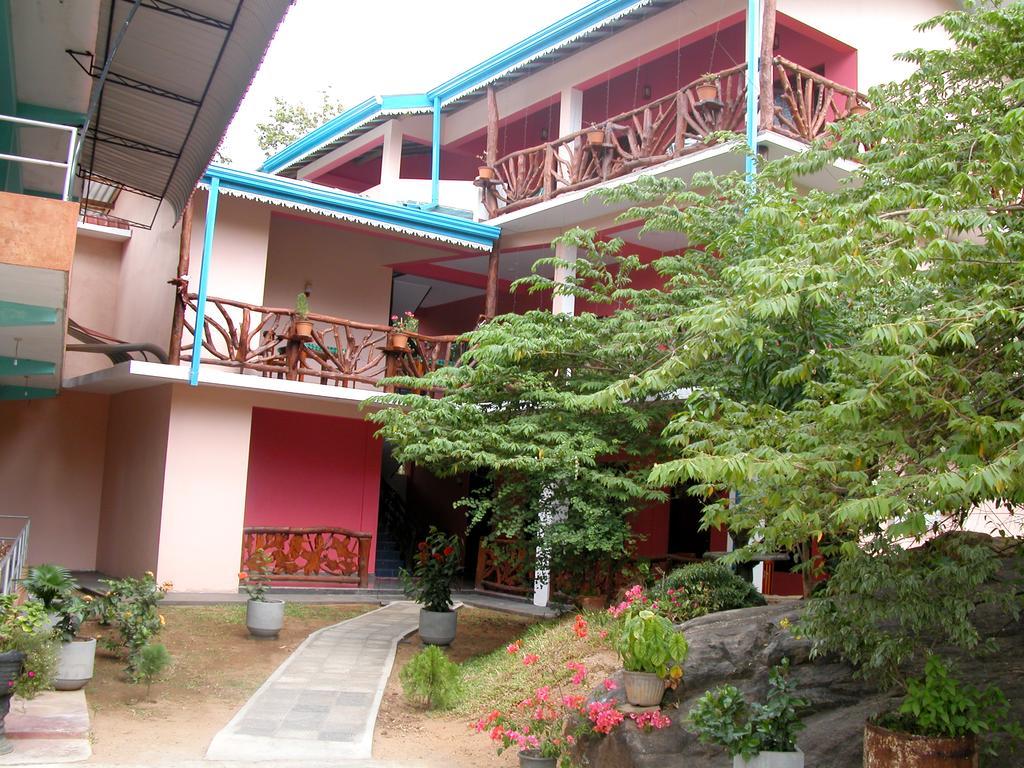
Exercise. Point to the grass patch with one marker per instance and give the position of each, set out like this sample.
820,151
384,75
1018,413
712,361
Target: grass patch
499,679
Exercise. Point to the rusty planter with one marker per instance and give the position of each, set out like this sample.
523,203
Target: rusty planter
894,749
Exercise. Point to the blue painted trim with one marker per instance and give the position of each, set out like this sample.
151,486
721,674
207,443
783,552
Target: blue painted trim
14,392
574,24
23,366
204,274
13,314
334,200
753,84
435,155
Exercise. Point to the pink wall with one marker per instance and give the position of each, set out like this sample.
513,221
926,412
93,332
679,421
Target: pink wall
51,469
308,469
92,298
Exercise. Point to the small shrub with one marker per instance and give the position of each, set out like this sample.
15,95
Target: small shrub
49,584
23,628
131,606
649,643
702,588
430,678
257,578
151,661
434,567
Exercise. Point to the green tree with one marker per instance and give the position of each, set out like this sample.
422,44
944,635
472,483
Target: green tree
289,121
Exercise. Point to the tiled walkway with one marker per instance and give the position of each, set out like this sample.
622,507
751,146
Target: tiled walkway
322,703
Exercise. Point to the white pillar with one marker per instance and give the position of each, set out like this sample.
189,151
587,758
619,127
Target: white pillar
561,304
570,111
391,159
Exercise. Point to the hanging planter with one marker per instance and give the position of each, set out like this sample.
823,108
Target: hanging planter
707,92
486,173
595,137
857,110
398,341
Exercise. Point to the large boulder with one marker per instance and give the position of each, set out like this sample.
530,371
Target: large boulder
740,647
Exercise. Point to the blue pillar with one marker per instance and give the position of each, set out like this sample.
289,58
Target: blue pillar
753,83
204,274
435,155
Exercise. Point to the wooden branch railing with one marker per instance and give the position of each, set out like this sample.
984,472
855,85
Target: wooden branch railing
667,128
338,352
310,554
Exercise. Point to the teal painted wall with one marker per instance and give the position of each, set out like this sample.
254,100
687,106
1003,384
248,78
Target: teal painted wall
10,173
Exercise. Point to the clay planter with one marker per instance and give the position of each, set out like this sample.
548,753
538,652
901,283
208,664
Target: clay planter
302,329
398,341
595,138
643,689
593,602
894,749
75,664
485,172
530,758
707,92
771,760
858,110
10,669
264,618
437,627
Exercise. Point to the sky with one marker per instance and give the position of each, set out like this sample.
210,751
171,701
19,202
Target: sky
363,49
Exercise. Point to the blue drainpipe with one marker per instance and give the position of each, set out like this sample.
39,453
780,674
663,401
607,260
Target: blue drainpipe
753,83
435,155
204,274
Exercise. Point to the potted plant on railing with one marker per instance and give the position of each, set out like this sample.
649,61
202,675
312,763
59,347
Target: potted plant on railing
28,654
302,326
401,326
652,650
264,616
56,590
484,171
755,735
435,564
707,88
595,136
937,724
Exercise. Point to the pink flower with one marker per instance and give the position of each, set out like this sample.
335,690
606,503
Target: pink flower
649,721
609,684
544,693
580,672
530,659
604,716
513,648
580,627
603,634
31,673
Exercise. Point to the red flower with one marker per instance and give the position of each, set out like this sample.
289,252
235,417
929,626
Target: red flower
448,551
513,648
530,659
580,626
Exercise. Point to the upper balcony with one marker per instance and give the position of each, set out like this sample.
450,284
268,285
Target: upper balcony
666,128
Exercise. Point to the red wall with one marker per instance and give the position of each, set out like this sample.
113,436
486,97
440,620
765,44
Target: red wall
651,522
307,470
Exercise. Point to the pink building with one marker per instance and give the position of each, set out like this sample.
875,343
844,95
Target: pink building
430,203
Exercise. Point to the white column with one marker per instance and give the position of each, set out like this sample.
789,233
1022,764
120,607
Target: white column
391,160
561,304
570,112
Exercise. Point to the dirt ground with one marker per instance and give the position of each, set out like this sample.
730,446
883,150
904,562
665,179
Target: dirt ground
405,730
216,667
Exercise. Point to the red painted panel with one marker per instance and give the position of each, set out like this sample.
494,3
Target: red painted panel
719,539
307,470
652,523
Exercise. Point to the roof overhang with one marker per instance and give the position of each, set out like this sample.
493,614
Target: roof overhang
333,203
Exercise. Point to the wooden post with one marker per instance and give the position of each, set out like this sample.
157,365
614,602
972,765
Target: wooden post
767,96
492,127
549,171
491,296
180,283
680,122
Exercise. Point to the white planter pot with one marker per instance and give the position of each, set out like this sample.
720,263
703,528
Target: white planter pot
643,689
264,618
771,760
437,627
75,664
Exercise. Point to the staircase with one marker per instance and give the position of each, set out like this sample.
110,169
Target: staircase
389,559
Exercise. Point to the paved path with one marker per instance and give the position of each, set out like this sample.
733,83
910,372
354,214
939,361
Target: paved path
321,704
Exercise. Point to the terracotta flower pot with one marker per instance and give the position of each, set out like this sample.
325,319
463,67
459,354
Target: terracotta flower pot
707,92
397,340
859,110
643,689
595,138
302,329
894,749
485,172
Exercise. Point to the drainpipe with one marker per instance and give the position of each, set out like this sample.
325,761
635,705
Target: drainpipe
204,274
753,84
435,155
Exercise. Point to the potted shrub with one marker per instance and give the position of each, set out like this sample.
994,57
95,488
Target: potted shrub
401,326
650,648
302,326
755,735
49,584
28,654
435,564
707,89
77,657
938,723
264,617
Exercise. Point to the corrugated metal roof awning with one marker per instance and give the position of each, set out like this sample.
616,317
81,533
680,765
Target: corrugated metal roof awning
173,86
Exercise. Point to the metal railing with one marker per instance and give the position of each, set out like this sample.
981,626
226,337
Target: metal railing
13,551
68,165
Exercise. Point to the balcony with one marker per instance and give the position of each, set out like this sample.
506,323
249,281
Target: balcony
670,127
263,341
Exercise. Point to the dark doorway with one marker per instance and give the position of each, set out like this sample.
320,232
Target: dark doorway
684,533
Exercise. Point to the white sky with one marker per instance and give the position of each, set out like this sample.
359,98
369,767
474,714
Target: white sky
363,49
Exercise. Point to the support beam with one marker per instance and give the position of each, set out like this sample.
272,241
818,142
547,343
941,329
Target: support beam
22,366
435,155
391,153
13,314
491,296
767,106
204,278
181,281
753,84
493,119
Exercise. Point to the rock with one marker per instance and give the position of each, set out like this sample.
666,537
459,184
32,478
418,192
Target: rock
740,646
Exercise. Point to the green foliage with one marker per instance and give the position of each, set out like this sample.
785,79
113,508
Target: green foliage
131,606
49,584
288,122
650,643
431,678
938,705
883,607
25,628
71,612
435,565
702,588
152,660
256,581
301,306
723,717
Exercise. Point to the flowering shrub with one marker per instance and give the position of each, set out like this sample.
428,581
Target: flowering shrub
649,721
434,567
407,322
702,588
634,601
23,628
131,605
256,581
